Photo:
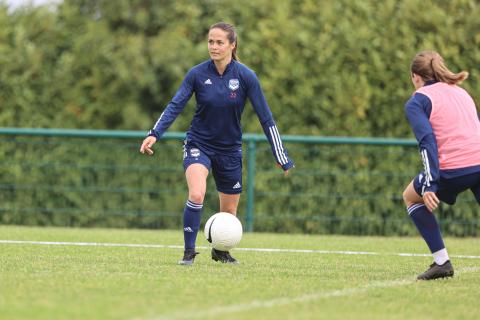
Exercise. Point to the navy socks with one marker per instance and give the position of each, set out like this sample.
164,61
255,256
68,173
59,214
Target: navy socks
191,223
427,225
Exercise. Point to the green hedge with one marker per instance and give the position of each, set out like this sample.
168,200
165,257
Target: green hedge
327,67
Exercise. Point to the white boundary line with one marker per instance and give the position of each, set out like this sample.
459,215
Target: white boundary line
162,246
224,311
215,312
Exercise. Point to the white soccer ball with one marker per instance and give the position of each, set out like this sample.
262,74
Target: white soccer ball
224,231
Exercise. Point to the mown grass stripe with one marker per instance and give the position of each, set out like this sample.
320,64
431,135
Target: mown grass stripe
278,302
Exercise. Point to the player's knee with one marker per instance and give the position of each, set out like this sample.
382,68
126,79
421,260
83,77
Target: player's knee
406,199
196,196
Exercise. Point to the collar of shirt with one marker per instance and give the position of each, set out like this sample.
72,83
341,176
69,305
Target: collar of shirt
227,69
429,82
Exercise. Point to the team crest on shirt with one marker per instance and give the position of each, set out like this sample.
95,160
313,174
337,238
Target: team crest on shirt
194,152
234,84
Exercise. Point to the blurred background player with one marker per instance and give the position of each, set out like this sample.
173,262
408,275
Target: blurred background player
214,139
445,122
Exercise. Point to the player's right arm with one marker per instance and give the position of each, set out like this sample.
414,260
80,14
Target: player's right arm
173,109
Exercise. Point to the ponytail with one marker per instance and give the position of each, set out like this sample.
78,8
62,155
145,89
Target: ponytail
430,66
234,51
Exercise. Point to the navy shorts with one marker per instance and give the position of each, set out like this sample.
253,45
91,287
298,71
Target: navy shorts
226,169
449,189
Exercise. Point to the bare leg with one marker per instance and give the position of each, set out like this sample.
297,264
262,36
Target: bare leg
196,175
410,196
229,202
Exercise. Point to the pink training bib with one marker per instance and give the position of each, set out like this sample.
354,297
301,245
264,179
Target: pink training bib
455,123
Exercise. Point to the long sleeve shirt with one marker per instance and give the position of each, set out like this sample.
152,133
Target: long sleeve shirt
220,102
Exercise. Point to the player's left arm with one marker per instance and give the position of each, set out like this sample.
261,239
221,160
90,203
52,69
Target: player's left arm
418,110
259,103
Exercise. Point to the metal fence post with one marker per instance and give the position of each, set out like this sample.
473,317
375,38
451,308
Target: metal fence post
250,183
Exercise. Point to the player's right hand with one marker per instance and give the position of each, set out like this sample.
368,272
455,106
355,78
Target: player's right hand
431,200
147,145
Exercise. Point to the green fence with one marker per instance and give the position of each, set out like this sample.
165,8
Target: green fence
98,178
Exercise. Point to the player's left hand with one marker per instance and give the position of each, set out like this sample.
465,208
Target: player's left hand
431,200
285,172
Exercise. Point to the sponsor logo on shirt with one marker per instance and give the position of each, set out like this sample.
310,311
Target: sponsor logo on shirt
234,84
208,81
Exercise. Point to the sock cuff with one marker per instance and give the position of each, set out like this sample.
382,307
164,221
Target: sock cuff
193,205
414,207
441,256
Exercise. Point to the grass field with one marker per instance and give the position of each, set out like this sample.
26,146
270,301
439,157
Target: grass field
311,277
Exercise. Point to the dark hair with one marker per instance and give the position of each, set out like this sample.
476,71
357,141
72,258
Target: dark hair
430,66
231,35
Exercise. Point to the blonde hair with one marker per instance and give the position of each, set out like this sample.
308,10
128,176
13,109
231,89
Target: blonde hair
430,66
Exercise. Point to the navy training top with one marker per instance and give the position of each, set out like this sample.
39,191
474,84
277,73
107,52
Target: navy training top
220,102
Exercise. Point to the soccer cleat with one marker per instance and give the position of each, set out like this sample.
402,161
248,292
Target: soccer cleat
437,271
188,257
223,257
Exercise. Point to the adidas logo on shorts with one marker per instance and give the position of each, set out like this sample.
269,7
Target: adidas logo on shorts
237,185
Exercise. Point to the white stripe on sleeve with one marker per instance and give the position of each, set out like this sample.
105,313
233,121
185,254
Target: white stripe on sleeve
282,152
156,123
275,146
426,165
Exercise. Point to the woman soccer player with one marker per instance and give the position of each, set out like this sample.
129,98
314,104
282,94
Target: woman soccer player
214,140
445,122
